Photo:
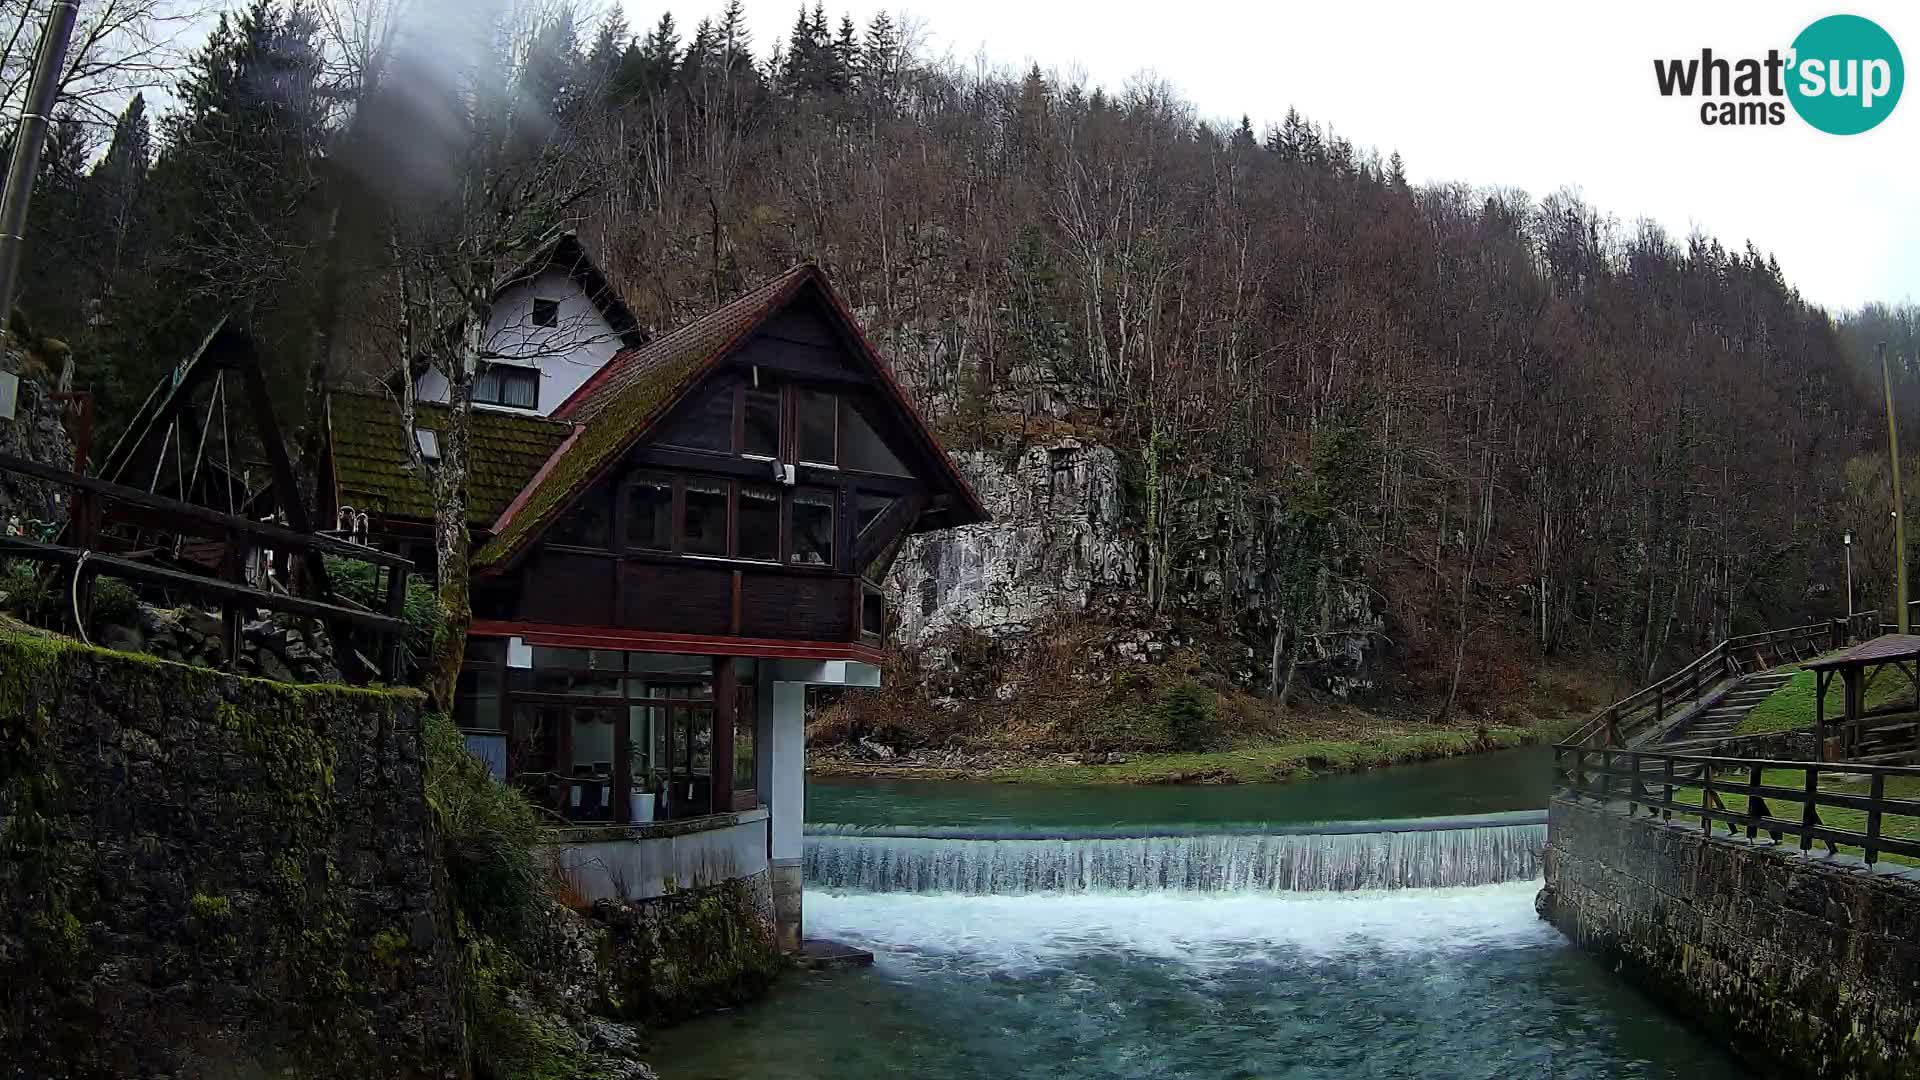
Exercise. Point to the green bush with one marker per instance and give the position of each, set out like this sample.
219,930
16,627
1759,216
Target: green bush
1189,712
114,602
361,583
487,837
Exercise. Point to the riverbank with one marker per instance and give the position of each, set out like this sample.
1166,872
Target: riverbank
1250,764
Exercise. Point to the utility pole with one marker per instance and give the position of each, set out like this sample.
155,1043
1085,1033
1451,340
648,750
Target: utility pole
1899,519
28,138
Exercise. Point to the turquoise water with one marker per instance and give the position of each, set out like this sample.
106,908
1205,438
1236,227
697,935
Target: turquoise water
993,961
1484,783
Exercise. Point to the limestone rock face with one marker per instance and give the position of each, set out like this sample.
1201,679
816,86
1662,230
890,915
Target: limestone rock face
1063,542
1056,545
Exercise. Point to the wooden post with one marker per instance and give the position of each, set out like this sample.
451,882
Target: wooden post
1706,798
1666,811
1820,680
396,607
1635,792
1809,817
622,766
1875,793
726,693
1755,805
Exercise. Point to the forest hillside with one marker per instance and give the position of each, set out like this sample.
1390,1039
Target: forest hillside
1264,425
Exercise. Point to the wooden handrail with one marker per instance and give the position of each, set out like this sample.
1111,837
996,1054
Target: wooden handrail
1625,717
1652,778
219,524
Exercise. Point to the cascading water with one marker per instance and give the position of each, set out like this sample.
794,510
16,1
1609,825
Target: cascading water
1096,940
1422,853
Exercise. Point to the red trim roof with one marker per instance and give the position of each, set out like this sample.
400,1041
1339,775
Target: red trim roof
621,401
627,640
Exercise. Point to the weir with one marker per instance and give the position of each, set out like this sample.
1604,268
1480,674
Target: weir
1480,849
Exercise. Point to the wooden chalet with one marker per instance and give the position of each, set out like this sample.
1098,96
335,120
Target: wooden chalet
695,535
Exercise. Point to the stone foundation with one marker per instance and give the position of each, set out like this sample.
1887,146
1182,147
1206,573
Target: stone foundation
1804,966
689,952
787,891
209,876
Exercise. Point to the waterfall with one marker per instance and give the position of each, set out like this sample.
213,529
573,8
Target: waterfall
1420,853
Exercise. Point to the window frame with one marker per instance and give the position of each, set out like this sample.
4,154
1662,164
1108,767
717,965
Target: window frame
519,370
549,304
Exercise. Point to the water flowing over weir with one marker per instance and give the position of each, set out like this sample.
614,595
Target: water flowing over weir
1483,849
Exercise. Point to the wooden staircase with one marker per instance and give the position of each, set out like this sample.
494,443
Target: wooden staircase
1724,715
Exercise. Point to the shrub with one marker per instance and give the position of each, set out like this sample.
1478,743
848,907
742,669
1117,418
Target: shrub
114,602
487,837
1189,713
361,583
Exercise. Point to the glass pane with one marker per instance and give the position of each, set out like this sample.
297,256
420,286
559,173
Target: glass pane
865,451
476,700
813,527
867,508
704,425
648,732
486,649
745,721
590,776
762,427
588,524
706,517
520,389
817,414
873,612
759,523
669,662
486,385
581,683
650,514
544,657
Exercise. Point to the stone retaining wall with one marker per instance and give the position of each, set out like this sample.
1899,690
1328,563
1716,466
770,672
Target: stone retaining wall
210,876
1805,966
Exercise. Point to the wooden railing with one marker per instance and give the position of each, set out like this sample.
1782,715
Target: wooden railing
1780,798
1651,706
241,535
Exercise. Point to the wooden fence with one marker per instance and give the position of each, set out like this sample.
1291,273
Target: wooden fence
1780,798
241,536
1618,723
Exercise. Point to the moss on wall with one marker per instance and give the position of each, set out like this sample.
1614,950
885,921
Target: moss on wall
691,952
193,863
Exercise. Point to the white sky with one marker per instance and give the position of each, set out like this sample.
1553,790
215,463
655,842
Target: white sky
1523,94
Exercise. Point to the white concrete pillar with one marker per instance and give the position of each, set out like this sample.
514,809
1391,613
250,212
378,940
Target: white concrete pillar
784,713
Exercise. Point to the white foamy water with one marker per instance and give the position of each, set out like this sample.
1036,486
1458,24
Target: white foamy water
1229,863
1017,934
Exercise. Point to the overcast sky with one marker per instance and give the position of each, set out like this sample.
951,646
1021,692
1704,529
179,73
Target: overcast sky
1523,94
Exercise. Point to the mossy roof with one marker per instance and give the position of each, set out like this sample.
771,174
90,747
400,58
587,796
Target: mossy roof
617,406
373,470
623,399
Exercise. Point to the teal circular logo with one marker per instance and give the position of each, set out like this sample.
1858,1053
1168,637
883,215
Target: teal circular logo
1846,74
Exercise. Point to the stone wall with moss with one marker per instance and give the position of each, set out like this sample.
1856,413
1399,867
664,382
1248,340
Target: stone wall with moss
1804,966
203,875
691,951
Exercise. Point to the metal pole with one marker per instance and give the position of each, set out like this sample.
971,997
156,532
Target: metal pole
1849,579
28,138
1899,518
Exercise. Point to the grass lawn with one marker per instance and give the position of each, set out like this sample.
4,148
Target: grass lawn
1837,817
1279,761
1791,707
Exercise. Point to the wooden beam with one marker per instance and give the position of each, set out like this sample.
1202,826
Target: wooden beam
114,566
869,544
726,690
212,522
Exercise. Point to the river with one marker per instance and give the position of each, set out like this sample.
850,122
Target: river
1191,932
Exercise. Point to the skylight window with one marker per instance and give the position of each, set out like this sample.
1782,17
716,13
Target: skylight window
428,440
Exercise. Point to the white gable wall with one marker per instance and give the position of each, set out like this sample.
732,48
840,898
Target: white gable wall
567,353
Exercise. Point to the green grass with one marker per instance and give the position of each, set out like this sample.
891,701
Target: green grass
1835,817
1280,761
1791,707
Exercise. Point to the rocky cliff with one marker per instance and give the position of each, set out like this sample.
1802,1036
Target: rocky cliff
34,432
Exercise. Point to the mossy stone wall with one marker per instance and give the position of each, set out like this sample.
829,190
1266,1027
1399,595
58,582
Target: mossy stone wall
691,951
1803,967
203,875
